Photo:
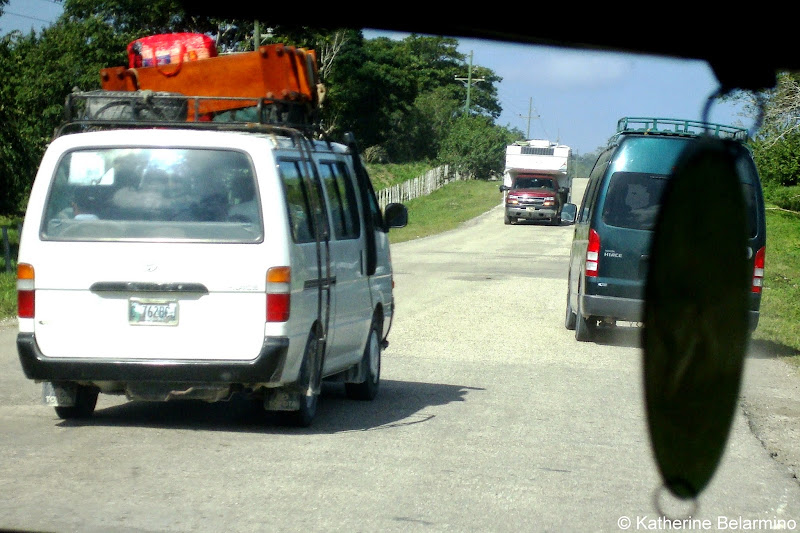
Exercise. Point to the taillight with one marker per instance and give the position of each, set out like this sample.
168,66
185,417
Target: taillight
592,254
26,307
758,270
278,294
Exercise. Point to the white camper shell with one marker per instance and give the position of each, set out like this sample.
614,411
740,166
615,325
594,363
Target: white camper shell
538,156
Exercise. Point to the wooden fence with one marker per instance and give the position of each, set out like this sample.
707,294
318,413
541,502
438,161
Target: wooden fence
421,186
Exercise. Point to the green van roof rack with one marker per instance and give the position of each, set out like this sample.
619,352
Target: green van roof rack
681,127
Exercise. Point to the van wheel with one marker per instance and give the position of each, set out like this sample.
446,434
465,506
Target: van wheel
85,402
571,318
371,361
507,220
309,383
584,327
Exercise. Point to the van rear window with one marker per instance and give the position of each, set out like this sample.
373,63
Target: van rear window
163,194
633,199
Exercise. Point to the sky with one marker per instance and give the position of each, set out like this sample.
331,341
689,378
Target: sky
574,97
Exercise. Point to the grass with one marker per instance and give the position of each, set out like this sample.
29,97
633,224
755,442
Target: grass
384,176
8,294
779,324
447,208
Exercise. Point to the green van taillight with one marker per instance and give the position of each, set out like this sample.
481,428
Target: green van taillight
758,270
592,254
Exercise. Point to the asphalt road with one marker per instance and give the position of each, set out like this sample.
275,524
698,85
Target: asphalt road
491,417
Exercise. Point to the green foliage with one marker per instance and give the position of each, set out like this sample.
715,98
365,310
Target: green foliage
778,158
403,95
384,176
8,294
400,98
475,147
780,301
582,164
783,196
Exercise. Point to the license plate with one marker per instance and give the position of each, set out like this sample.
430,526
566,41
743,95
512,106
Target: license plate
152,312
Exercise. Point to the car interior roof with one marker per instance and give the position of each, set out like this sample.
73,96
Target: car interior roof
744,54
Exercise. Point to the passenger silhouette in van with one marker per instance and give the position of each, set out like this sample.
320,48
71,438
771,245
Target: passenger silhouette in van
633,200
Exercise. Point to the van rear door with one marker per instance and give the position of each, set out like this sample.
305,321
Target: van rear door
151,253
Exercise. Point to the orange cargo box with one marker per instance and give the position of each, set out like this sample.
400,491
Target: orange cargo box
275,72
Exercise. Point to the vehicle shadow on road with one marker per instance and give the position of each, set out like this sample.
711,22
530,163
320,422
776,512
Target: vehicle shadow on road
622,336
763,349
399,403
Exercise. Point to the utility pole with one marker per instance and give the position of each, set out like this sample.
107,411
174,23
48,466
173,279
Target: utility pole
469,81
529,117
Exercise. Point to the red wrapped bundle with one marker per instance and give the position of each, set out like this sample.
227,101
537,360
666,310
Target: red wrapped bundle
170,48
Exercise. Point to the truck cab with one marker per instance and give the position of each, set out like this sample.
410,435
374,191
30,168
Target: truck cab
533,197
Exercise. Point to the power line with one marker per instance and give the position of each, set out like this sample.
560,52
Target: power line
25,16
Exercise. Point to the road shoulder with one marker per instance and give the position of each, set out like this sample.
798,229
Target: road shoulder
770,400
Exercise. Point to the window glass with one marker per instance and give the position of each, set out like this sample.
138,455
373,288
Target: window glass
749,178
153,194
342,200
633,199
594,179
657,155
533,183
296,201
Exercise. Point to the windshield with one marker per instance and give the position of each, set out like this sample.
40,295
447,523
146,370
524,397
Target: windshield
533,183
489,414
153,194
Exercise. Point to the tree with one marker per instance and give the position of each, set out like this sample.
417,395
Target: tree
475,146
776,147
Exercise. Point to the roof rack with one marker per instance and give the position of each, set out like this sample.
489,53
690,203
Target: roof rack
680,127
93,110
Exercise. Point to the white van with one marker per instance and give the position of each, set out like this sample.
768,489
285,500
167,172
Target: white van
197,262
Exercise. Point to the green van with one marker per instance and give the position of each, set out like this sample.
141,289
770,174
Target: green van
614,224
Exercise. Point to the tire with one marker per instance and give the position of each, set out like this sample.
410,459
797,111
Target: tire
584,328
85,402
507,220
309,383
570,319
371,361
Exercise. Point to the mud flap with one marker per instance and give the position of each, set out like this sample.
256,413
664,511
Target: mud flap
59,395
282,400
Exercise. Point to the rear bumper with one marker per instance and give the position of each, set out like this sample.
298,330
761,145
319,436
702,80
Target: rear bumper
266,368
625,309
630,310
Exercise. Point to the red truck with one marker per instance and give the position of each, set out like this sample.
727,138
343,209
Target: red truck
536,180
533,197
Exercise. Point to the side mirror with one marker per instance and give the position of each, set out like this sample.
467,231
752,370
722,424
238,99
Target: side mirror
396,216
569,213
505,188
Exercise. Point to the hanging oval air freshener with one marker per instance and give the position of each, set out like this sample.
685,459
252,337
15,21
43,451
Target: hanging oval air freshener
696,326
